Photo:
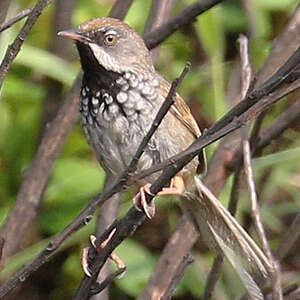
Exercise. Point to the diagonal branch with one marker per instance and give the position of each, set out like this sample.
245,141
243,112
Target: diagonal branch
127,226
29,199
15,47
86,215
21,15
155,37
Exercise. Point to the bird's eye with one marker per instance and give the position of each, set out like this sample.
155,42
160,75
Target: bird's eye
110,39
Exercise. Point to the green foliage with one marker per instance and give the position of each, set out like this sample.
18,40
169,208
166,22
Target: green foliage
77,177
47,64
140,264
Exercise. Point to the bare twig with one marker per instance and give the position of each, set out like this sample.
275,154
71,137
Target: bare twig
189,14
15,47
245,83
218,171
21,15
134,218
246,71
120,9
272,90
169,261
246,79
213,277
109,210
282,122
29,199
1,248
61,48
4,5
107,214
254,103
186,261
160,12
275,274
99,287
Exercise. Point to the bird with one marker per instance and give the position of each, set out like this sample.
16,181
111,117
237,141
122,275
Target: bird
120,96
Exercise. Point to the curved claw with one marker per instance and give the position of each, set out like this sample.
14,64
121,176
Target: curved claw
116,259
84,262
141,204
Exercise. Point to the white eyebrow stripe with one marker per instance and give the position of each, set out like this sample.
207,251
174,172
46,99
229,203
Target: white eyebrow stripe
111,31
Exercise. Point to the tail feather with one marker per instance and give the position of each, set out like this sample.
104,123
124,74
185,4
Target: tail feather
226,236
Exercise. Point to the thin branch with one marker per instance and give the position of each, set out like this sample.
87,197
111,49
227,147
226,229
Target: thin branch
275,274
246,80
15,47
29,199
1,250
284,121
21,15
282,83
4,5
246,74
187,16
213,277
99,287
120,9
160,12
177,276
218,171
108,212
289,239
257,101
134,218
169,261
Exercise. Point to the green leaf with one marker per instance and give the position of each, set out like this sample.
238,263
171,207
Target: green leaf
74,178
47,64
276,158
139,263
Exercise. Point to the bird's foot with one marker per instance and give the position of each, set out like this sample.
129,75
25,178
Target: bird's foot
141,203
117,260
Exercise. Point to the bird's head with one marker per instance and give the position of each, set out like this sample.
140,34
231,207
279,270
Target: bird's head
112,44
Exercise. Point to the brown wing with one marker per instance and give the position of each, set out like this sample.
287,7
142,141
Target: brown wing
182,112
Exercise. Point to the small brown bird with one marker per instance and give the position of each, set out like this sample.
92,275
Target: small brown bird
120,96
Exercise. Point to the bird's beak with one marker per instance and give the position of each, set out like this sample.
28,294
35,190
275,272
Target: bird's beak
74,35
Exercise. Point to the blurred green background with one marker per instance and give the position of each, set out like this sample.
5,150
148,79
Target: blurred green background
25,110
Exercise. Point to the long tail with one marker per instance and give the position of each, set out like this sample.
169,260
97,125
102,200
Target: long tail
224,235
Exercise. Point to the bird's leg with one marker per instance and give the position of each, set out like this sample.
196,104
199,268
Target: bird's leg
176,187
140,202
117,260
